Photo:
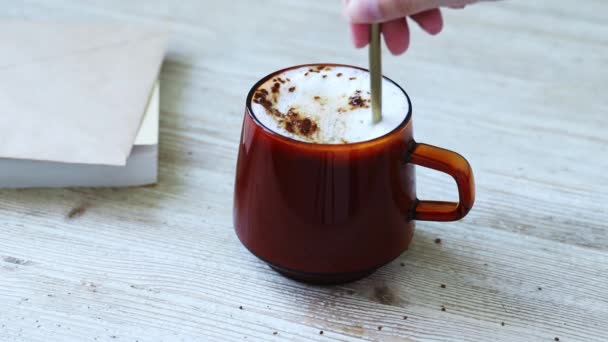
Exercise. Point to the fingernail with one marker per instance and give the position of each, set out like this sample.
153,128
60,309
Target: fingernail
344,9
363,11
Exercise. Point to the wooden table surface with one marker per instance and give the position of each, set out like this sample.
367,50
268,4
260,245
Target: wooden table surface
518,87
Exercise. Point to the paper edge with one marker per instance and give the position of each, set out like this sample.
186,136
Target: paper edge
149,130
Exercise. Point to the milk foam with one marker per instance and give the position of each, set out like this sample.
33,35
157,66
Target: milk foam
327,105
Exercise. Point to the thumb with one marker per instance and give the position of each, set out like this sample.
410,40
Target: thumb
371,11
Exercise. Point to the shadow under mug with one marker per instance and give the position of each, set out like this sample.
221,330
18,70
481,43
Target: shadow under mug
324,213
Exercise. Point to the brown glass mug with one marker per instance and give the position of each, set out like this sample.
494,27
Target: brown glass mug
324,213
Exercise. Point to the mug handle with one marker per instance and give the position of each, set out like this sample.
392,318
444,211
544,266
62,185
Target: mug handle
454,165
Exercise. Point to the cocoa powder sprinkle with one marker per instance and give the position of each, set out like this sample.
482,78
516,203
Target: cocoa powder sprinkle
289,127
275,87
357,101
293,121
305,126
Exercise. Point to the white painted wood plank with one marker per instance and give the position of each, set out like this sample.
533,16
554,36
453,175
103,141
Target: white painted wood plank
516,87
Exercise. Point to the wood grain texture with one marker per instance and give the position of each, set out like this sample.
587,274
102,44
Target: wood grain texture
518,87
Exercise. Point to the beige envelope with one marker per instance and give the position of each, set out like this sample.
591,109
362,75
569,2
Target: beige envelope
75,93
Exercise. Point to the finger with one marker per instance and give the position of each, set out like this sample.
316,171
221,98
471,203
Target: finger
360,34
344,6
456,4
371,11
430,21
396,35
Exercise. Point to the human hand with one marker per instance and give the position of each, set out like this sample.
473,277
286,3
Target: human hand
393,14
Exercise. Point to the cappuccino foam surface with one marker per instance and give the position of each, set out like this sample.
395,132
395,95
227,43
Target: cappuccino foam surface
327,105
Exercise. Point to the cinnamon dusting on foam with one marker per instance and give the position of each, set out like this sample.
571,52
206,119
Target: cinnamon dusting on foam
298,123
318,105
293,121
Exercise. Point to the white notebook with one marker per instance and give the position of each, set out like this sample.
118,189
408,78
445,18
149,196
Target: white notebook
141,167
79,104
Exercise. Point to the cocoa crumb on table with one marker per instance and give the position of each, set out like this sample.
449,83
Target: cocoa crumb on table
443,308
404,317
437,240
556,339
241,307
402,264
291,89
380,328
502,323
443,286
321,332
77,211
352,78
339,74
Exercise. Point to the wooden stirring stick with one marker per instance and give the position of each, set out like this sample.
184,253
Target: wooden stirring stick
375,69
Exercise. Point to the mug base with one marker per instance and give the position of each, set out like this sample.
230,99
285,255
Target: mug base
321,278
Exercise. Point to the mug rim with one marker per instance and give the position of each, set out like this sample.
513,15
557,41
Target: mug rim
325,146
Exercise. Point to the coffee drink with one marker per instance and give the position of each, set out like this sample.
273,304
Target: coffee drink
334,204
326,104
